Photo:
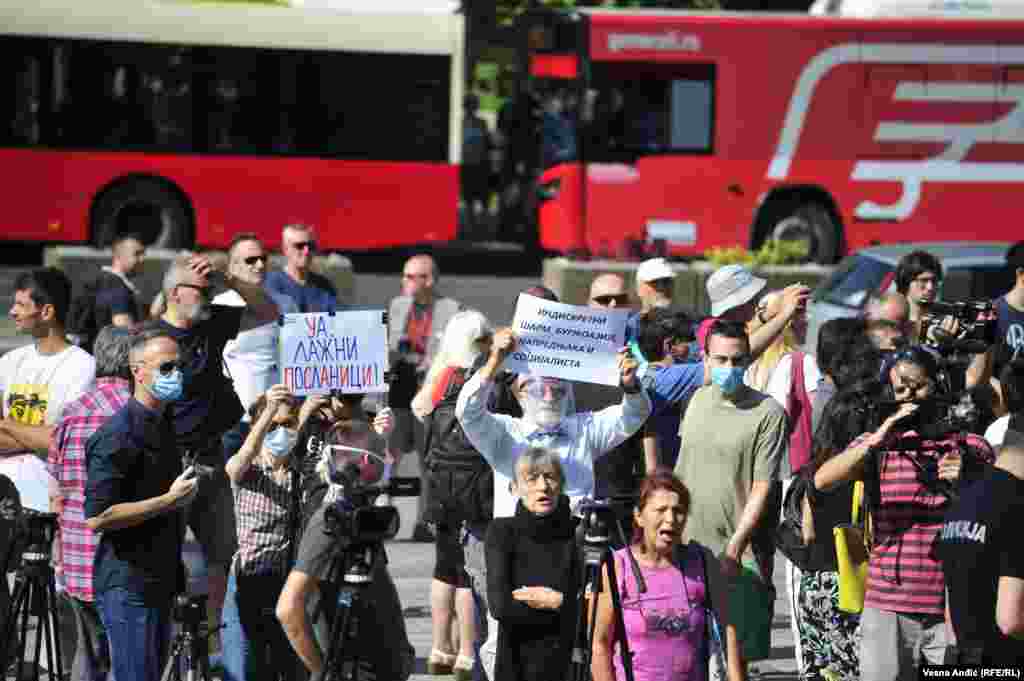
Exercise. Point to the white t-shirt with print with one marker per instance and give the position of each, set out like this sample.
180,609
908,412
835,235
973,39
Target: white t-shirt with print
35,388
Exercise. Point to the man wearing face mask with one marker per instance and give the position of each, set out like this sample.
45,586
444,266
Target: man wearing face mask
209,405
133,496
578,439
733,438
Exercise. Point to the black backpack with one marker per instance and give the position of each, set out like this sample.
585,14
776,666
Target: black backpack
82,324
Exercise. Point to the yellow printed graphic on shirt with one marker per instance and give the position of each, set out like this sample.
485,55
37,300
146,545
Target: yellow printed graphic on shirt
26,403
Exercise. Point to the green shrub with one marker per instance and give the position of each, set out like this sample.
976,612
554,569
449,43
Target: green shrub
772,252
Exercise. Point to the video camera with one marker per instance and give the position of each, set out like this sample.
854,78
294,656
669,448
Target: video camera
32,539
363,475
977,322
941,423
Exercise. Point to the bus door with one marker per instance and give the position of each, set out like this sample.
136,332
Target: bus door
545,147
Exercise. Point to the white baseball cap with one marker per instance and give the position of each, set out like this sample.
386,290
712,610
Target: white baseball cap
654,269
731,286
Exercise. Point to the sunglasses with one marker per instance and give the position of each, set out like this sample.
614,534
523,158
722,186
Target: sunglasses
253,259
414,276
303,245
167,368
618,299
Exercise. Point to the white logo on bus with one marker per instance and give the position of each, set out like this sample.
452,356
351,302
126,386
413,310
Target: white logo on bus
948,166
671,41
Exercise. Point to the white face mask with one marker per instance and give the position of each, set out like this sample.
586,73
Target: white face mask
280,442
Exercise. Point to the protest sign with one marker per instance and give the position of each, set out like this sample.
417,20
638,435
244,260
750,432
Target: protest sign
345,351
567,341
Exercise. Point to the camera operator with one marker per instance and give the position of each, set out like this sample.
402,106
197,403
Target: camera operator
134,492
381,642
265,487
983,561
907,472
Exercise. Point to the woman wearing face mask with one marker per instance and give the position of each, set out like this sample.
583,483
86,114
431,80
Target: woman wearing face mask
532,574
665,625
267,516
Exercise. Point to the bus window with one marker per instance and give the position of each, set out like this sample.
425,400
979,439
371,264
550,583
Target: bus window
20,74
655,108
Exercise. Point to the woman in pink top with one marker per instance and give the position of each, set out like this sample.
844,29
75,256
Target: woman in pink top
665,625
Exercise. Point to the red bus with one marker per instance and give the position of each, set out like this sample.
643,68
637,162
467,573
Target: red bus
701,130
190,122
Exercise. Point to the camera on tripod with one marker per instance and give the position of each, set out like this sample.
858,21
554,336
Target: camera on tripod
364,476
32,540
600,519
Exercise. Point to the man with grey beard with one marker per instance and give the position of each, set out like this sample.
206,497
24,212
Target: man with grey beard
209,405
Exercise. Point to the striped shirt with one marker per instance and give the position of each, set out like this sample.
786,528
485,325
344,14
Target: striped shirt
904,575
66,463
263,516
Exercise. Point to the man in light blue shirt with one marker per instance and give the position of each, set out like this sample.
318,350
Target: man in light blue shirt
578,439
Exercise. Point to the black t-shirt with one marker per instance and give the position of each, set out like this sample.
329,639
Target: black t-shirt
209,405
979,543
132,457
113,297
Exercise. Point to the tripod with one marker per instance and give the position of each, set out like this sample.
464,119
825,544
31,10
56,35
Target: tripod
189,656
356,566
597,554
35,595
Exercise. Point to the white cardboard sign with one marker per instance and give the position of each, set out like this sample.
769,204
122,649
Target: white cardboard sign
345,351
571,342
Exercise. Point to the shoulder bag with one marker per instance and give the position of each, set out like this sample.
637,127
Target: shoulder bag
853,543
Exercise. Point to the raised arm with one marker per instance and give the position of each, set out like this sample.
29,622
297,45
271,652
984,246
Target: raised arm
486,431
794,298
849,464
611,426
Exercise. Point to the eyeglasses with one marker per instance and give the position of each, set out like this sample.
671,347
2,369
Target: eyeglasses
617,298
203,290
253,259
303,245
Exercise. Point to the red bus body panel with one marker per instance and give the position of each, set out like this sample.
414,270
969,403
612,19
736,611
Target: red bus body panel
357,205
913,128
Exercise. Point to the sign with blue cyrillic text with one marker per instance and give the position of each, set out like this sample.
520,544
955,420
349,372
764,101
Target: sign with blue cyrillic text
346,352
567,341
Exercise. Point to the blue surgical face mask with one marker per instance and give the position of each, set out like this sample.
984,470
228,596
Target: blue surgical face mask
729,379
168,387
280,441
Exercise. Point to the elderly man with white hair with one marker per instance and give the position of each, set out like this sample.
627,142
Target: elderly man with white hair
578,439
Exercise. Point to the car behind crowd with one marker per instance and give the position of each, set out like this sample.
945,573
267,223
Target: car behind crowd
971,270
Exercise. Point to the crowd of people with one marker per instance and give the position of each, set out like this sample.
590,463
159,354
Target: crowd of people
154,420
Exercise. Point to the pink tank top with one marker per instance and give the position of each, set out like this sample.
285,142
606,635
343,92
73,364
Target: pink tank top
665,626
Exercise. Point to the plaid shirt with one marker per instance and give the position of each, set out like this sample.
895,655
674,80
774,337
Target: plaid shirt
263,516
66,463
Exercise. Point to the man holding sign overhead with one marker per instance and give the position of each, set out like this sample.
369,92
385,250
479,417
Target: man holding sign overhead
578,439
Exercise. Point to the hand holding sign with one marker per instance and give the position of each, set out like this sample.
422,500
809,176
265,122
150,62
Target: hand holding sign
627,371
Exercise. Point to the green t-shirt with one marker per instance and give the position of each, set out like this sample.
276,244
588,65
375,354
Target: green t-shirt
727,446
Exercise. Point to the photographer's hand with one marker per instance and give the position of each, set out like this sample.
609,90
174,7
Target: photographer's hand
848,464
384,422
312,404
950,466
876,438
184,488
539,597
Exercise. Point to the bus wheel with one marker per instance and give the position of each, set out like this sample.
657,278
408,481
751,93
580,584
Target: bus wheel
145,207
812,224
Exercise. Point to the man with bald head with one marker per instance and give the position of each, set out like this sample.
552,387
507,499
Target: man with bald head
609,290
416,321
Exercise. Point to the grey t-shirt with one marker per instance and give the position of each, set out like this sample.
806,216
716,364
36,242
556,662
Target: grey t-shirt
727,447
